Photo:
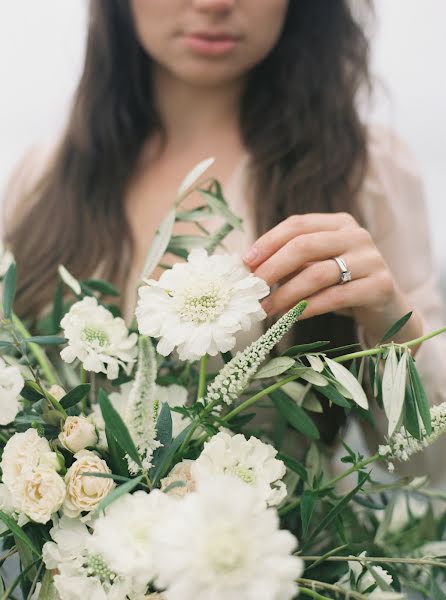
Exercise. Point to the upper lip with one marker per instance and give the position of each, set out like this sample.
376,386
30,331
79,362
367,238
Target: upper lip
214,35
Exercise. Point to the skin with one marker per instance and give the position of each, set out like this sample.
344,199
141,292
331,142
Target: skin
296,255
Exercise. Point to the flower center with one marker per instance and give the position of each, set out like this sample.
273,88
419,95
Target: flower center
226,551
203,303
97,567
93,335
246,474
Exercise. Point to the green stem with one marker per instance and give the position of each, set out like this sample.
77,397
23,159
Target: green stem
312,594
83,379
202,377
39,354
380,559
363,463
312,583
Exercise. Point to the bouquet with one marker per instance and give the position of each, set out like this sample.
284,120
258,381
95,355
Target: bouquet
133,465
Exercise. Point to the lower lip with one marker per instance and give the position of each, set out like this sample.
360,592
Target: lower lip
209,47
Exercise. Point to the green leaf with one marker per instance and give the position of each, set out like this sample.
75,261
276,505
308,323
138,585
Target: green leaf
173,485
411,422
192,177
397,395
333,395
420,396
119,478
186,242
75,395
347,380
436,591
58,306
9,288
117,492
158,472
219,207
275,367
307,505
116,460
294,414
393,330
338,507
46,340
31,392
164,426
304,348
158,245
116,426
293,465
199,214
99,285
388,381
18,532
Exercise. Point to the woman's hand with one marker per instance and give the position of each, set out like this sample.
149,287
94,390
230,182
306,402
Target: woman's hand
298,254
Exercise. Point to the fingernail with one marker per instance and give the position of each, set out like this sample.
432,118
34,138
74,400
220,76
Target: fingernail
251,255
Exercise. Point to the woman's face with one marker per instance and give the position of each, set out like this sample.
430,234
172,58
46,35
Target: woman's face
208,42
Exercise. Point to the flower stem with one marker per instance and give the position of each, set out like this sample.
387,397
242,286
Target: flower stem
202,377
427,562
312,594
363,463
312,583
39,354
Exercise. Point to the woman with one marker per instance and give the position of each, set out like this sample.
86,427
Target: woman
269,88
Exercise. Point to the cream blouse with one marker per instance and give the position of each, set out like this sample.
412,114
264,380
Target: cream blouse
392,207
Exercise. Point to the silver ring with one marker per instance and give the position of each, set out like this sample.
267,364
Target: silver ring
346,275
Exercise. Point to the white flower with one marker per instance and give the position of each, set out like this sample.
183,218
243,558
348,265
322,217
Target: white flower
80,573
250,460
78,433
124,535
363,579
11,384
83,492
219,543
6,504
98,339
181,472
21,455
174,396
197,307
43,494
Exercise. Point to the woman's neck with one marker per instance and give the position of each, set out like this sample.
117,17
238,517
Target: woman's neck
191,111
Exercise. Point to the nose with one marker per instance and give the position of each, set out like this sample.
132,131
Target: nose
214,6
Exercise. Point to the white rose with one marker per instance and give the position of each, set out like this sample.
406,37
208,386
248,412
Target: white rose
84,493
11,384
43,494
180,472
52,460
78,433
6,504
21,455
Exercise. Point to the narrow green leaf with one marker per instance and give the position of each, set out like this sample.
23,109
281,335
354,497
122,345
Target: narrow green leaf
304,348
158,245
46,340
411,422
294,414
75,395
388,381
193,176
99,285
307,505
9,288
119,478
420,396
117,492
274,367
31,392
186,242
199,214
293,465
18,532
333,395
436,591
164,464
58,307
338,507
393,330
164,426
347,380
116,426
116,460
219,207
397,395
173,485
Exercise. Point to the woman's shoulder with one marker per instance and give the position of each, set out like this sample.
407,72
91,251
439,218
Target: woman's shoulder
23,179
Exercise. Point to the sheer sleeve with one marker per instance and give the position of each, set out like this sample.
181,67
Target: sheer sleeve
392,207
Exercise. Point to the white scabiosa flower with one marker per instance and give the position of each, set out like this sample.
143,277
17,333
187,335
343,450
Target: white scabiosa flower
98,339
219,543
11,384
250,460
124,535
78,572
197,307
233,378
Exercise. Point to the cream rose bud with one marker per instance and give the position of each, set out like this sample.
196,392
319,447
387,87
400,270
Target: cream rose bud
43,494
78,433
182,473
57,392
84,493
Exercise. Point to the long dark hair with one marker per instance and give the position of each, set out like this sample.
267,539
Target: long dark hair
299,121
